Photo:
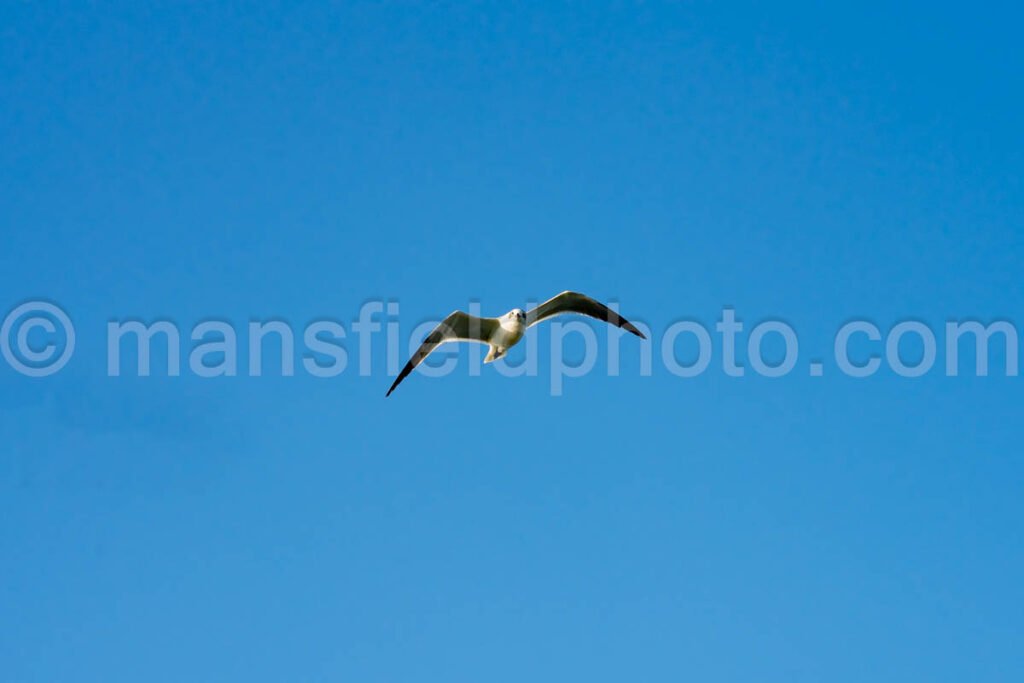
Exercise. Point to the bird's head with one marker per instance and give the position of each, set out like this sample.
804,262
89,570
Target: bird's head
517,314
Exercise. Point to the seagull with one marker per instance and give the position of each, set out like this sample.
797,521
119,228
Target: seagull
501,334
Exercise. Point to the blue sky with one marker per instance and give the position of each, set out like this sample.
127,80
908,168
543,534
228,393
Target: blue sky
808,163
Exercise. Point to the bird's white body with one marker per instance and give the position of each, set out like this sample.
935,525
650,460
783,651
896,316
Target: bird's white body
507,334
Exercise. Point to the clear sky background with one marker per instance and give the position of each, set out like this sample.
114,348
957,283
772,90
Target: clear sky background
803,162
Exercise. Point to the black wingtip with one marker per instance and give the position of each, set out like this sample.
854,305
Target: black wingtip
630,327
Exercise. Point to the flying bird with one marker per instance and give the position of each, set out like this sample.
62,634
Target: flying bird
501,334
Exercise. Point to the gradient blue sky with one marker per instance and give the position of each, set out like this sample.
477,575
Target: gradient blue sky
292,160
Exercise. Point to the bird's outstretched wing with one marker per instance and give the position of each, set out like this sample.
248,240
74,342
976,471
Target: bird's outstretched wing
458,326
574,302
